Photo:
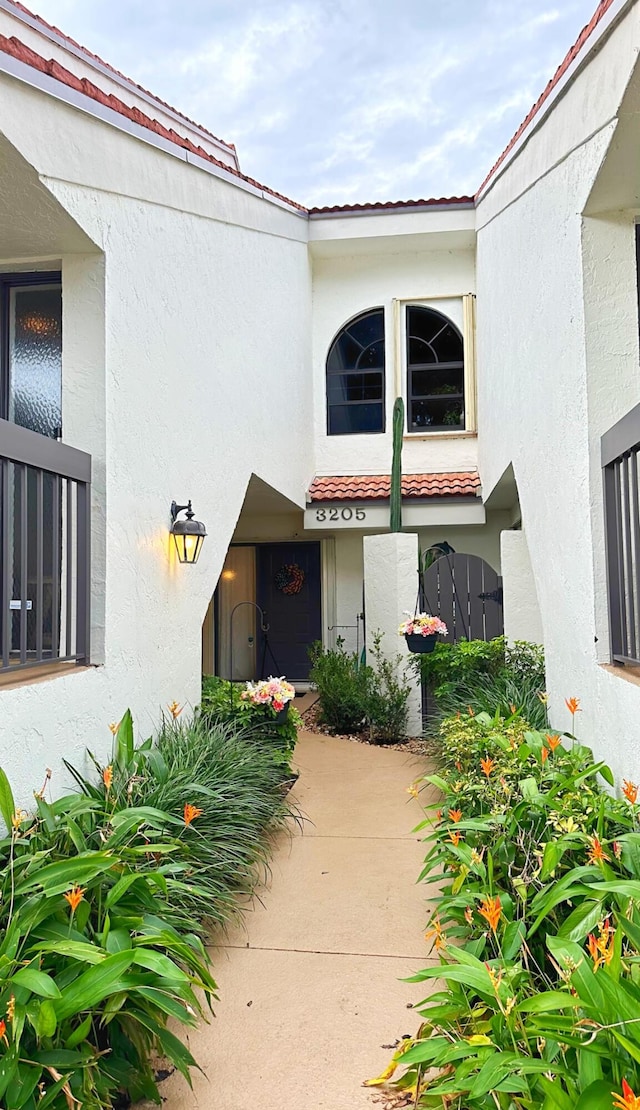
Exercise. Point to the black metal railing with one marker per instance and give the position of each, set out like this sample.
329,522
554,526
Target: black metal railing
620,450
45,491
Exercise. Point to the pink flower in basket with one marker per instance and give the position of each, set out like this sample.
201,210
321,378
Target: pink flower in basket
422,624
275,692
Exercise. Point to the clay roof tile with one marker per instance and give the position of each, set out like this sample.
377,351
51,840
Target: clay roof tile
377,487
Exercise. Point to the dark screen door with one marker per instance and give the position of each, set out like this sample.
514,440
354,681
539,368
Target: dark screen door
288,590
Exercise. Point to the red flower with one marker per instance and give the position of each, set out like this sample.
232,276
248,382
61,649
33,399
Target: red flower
627,1100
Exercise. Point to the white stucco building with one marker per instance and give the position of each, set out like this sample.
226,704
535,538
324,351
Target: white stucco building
171,329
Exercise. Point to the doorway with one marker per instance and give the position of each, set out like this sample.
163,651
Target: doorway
284,581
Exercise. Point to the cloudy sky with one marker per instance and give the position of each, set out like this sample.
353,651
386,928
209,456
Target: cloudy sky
337,101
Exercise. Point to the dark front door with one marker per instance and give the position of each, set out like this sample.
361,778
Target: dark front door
288,590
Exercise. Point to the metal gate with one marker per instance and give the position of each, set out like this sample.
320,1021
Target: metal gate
466,593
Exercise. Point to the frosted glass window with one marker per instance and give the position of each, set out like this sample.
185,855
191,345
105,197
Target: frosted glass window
35,358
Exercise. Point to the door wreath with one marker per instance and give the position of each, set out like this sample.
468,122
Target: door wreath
289,579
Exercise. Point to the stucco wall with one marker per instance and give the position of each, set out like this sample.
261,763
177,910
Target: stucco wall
186,368
521,609
557,353
346,285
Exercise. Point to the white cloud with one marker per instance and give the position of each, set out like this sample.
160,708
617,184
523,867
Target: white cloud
342,100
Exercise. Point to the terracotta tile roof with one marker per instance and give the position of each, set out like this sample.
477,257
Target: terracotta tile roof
95,58
377,205
17,49
582,38
376,487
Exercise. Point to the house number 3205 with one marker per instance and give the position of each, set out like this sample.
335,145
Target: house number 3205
340,514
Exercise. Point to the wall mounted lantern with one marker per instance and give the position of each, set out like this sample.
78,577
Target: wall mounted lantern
188,534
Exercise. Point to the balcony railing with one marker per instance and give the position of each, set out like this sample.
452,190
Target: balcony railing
45,551
620,448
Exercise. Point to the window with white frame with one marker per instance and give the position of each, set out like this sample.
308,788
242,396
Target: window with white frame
435,368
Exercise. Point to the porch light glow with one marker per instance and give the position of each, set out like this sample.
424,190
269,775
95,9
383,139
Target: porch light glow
188,534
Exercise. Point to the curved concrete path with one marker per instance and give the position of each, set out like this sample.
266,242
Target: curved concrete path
310,991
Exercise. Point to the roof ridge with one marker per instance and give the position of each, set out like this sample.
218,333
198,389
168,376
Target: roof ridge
569,57
386,204
23,53
107,65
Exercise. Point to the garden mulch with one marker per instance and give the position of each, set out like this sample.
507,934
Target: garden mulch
420,746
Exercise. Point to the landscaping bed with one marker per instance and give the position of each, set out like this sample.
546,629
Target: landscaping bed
108,896
534,852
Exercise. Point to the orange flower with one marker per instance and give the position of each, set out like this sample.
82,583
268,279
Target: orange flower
627,1100
74,897
190,813
544,755
597,853
513,708
455,838
175,709
458,765
471,711
491,910
3,1032
439,815
487,765
553,741
107,777
468,915
113,727
601,947
630,791
455,815
573,705
440,940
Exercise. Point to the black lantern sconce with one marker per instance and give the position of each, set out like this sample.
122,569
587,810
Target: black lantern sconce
188,534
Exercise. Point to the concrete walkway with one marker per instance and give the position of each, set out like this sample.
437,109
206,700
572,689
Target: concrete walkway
310,997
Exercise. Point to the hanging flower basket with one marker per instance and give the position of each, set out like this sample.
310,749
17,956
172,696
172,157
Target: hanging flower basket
421,645
421,632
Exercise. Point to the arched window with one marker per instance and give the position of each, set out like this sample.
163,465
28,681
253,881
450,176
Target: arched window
435,372
355,376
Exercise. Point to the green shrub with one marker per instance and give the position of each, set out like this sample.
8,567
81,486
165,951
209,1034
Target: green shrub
342,682
387,696
355,696
103,901
487,676
536,925
450,664
91,962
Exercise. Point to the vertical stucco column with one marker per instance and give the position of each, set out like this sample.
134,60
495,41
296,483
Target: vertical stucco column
522,619
390,589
